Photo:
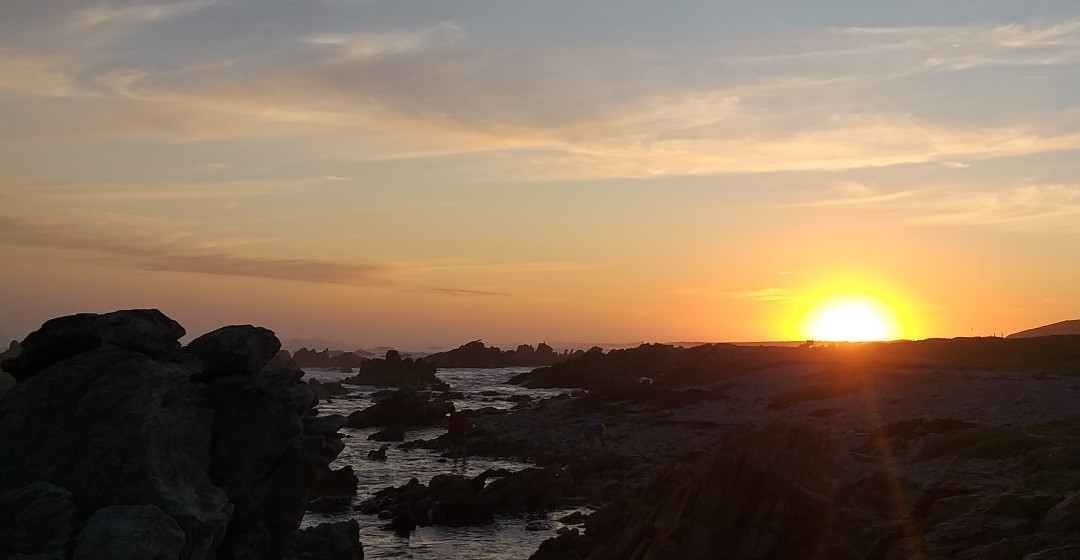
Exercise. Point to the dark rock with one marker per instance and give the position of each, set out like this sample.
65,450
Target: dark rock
147,331
393,433
109,410
1063,518
330,504
378,454
6,382
567,545
141,532
341,482
330,541
476,355
402,525
328,390
324,425
765,495
394,371
114,426
39,518
234,350
575,518
538,526
405,407
1070,552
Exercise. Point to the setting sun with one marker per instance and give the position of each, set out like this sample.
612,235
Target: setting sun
851,318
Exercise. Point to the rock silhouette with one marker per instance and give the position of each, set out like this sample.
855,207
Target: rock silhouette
112,434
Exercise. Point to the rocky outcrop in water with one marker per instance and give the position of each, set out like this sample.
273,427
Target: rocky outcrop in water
476,355
454,500
116,443
404,407
326,358
395,371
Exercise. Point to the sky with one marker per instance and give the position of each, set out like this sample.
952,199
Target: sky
421,174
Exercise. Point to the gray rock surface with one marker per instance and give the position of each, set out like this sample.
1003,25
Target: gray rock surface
141,532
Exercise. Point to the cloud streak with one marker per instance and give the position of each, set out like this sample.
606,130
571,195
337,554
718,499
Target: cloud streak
181,252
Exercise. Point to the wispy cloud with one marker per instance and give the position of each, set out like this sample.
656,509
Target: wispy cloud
239,188
362,46
146,248
1032,207
112,15
34,74
852,194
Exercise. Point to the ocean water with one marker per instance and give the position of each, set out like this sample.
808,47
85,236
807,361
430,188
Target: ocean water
506,539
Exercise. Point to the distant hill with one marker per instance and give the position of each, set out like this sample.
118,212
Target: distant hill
1064,327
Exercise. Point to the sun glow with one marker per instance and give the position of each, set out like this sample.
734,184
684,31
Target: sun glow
851,318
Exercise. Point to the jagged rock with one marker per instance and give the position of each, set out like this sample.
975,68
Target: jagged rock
38,519
141,532
1063,518
378,454
476,355
538,526
115,426
341,482
234,350
568,544
330,541
147,331
405,407
393,433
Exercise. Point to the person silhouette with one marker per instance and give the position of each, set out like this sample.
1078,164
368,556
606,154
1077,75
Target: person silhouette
457,428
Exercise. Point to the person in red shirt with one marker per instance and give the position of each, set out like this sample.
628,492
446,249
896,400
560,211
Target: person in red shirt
457,427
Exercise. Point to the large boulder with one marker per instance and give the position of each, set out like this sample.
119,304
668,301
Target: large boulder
234,350
115,426
39,518
140,532
147,331
102,418
264,458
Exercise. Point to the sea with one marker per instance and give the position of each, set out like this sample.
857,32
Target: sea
506,539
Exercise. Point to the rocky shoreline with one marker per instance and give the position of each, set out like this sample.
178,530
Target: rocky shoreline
857,452
120,443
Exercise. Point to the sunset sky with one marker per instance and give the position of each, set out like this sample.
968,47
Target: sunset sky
419,174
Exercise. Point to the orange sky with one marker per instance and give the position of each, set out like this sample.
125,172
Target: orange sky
419,175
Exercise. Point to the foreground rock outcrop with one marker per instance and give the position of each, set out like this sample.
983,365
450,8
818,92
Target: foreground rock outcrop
117,443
